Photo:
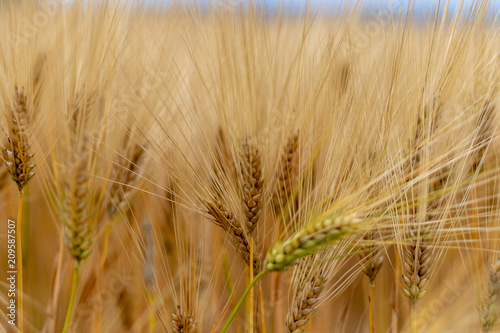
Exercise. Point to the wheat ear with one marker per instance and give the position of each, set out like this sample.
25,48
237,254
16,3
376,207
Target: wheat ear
223,158
306,297
183,322
491,301
224,218
370,258
126,174
416,266
311,237
417,254
76,205
251,189
18,157
287,174
484,126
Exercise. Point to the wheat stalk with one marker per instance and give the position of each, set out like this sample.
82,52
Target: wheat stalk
149,272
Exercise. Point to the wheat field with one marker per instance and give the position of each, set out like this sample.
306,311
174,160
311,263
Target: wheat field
178,168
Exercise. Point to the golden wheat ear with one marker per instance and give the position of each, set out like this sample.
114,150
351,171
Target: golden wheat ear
224,162
225,219
125,174
417,258
287,172
490,308
252,186
370,257
306,296
183,322
18,156
485,132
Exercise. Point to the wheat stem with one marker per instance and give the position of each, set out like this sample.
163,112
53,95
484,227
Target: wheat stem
26,225
414,318
152,318
371,326
72,296
97,322
20,261
251,299
242,300
262,318
106,245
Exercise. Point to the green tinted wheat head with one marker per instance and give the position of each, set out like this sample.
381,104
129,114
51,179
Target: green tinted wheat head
77,204
311,237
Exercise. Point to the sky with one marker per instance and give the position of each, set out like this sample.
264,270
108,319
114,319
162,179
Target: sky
421,7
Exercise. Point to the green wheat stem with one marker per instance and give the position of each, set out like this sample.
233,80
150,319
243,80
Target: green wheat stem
72,296
242,300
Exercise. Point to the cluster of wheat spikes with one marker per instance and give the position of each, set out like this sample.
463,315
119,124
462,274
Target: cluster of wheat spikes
236,170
